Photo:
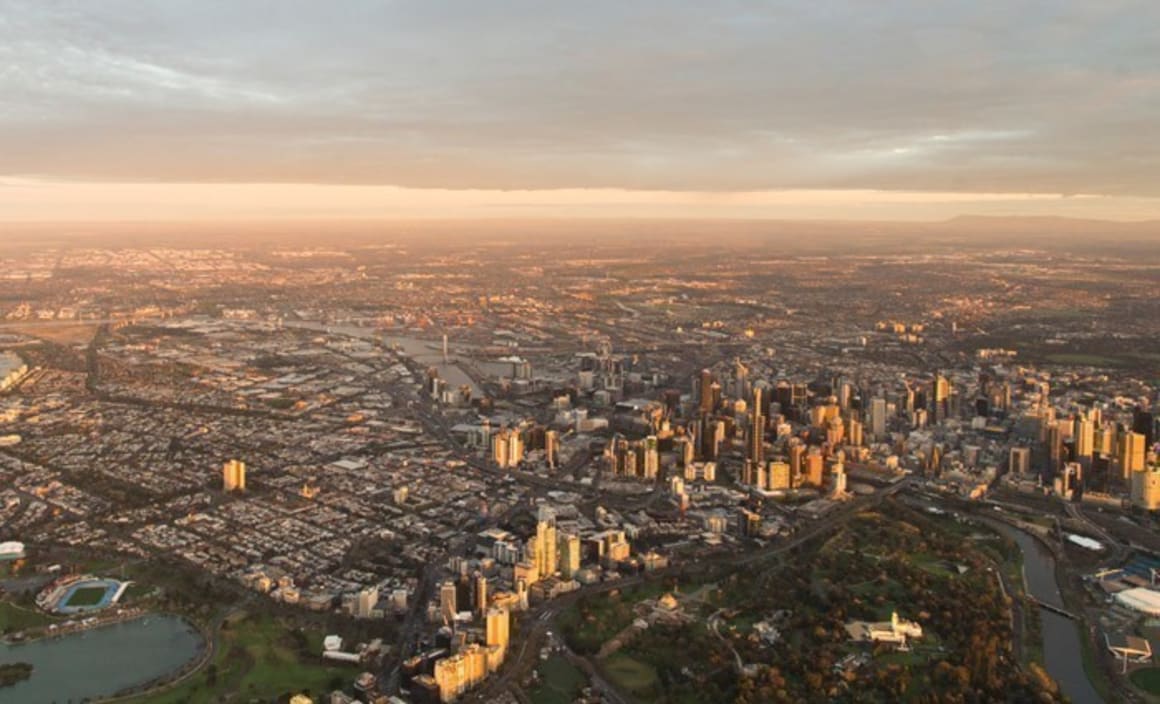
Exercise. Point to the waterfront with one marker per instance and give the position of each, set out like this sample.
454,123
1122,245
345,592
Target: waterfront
103,661
1062,650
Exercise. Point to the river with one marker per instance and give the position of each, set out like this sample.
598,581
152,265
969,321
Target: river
102,661
1062,650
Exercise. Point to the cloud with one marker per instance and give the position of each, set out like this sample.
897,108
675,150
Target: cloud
974,96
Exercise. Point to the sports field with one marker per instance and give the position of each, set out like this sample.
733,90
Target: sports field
88,595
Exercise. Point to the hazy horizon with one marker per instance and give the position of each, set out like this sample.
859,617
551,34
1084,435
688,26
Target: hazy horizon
296,111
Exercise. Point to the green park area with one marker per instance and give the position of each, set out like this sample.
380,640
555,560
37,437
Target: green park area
630,675
257,658
15,617
1147,680
936,570
560,682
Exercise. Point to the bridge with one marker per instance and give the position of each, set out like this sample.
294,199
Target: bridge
1053,608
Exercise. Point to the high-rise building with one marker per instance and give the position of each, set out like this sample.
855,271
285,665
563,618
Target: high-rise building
1146,487
815,467
704,388
779,476
1085,433
551,447
756,443
1144,423
652,458
365,602
1019,461
460,672
569,555
447,605
234,476
1132,453
546,557
498,626
507,448
854,432
878,418
480,593
940,395
839,480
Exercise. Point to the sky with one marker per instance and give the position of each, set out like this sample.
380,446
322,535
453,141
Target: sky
834,109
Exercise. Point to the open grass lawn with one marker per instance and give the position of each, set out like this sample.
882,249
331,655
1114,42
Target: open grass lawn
86,596
631,675
561,682
15,618
256,659
1147,679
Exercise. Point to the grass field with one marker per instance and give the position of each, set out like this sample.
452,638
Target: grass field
86,596
631,675
15,618
1147,679
256,659
561,682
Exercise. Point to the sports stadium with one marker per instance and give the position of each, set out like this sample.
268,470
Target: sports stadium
78,594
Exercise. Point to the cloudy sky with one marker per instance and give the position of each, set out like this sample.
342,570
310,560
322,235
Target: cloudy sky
835,109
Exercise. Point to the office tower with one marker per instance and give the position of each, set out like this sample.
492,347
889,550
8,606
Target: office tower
815,467
551,447
741,379
365,602
941,393
480,593
704,389
756,444
546,559
1146,487
797,457
234,476
839,480
835,431
748,523
498,627
779,476
1055,449
447,606
1019,461
651,457
1105,441
854,432
1132,453
569,555
1085,431
1144,423
878,418
460,672
507,448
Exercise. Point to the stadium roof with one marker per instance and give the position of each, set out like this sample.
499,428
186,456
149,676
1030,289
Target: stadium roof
1141,599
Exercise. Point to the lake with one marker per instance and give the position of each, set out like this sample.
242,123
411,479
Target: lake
101,661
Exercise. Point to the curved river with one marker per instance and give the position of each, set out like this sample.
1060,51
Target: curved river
1062,651
102,661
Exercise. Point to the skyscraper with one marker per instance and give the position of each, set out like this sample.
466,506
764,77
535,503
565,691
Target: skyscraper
878,418
234,476
546,556
480,593
447,605
569,555
498,627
